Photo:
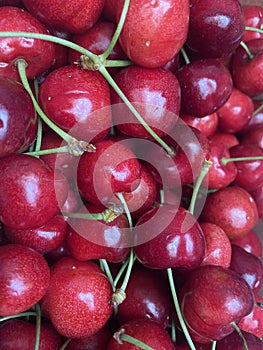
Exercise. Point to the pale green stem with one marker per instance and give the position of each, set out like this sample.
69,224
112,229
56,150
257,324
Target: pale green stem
38,326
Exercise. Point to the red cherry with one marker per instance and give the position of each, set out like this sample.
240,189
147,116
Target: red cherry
78,101
257,196
24,276
31,194
226,138
155,93
38,54
253,16
18,121
233,341
19,334
97,341
250,242
76,17
253,322
77,299
154,32
254,137
233,209
206,125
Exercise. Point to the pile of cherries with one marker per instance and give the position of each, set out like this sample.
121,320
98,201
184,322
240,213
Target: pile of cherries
131,166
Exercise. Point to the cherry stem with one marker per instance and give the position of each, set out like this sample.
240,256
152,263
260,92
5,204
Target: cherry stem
252,29
39,121
118,63
259,109
237,329
105,267
111,81
173,330
205,168
185,56
245,47
121,271
224,160
178,310
213,347
63,347
38,326
117,31
121,337
42,152
23,314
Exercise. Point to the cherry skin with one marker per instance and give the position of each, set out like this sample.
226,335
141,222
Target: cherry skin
248,266
74,17
96,341
147,297
156,95
206,84
77,299
218,246
111,169
147,331
247,72
154,32
253,16
236,112
18,121
180,243
256,120
207,125
254,137
212,298
250,242
38,54
233,341
257,195
249,172
226,138
216,29
233,209
19,334
24,276
31,194
253,322
78,101
110,10
43,239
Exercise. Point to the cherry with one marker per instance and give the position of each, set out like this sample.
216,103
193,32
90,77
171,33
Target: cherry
77,299
43,239
247,265
253,322
77,101
216,29
226,138
233,341
175,239
249,172
206,84
257,196
153,33
211,299
147,297
146,331
253,16
38,54
71,16
256,120
207,124
246,71
233,209
254,137
24,278
236,112
250,242
18,122
156,95
218,246
31,194
111,169
19,334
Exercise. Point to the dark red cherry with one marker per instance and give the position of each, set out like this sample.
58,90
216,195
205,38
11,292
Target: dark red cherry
18,120
111,169
233,209
226,138
19,334
170,238
110,10
38,54
257,196
250,242
97,341
211,298
31,194
77,299
43,239
206,84
147,297
147,331
256,120
78,101
207,125
24,277
253,322
156,95
215,29
76,17
234,341
254,137
253,16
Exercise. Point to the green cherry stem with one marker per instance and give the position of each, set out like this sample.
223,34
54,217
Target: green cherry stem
178,310
259,109
185,56
118,30
105,267
224,160
205,168
64,346
213,346
63,149
38,326
23,314
121,337
39,121
118,63
245,47
237,329
111,81
254,29
121,271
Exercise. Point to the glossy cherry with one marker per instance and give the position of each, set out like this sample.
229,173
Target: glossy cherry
253,16
250,242
207,124
24,276
253,322
226,138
